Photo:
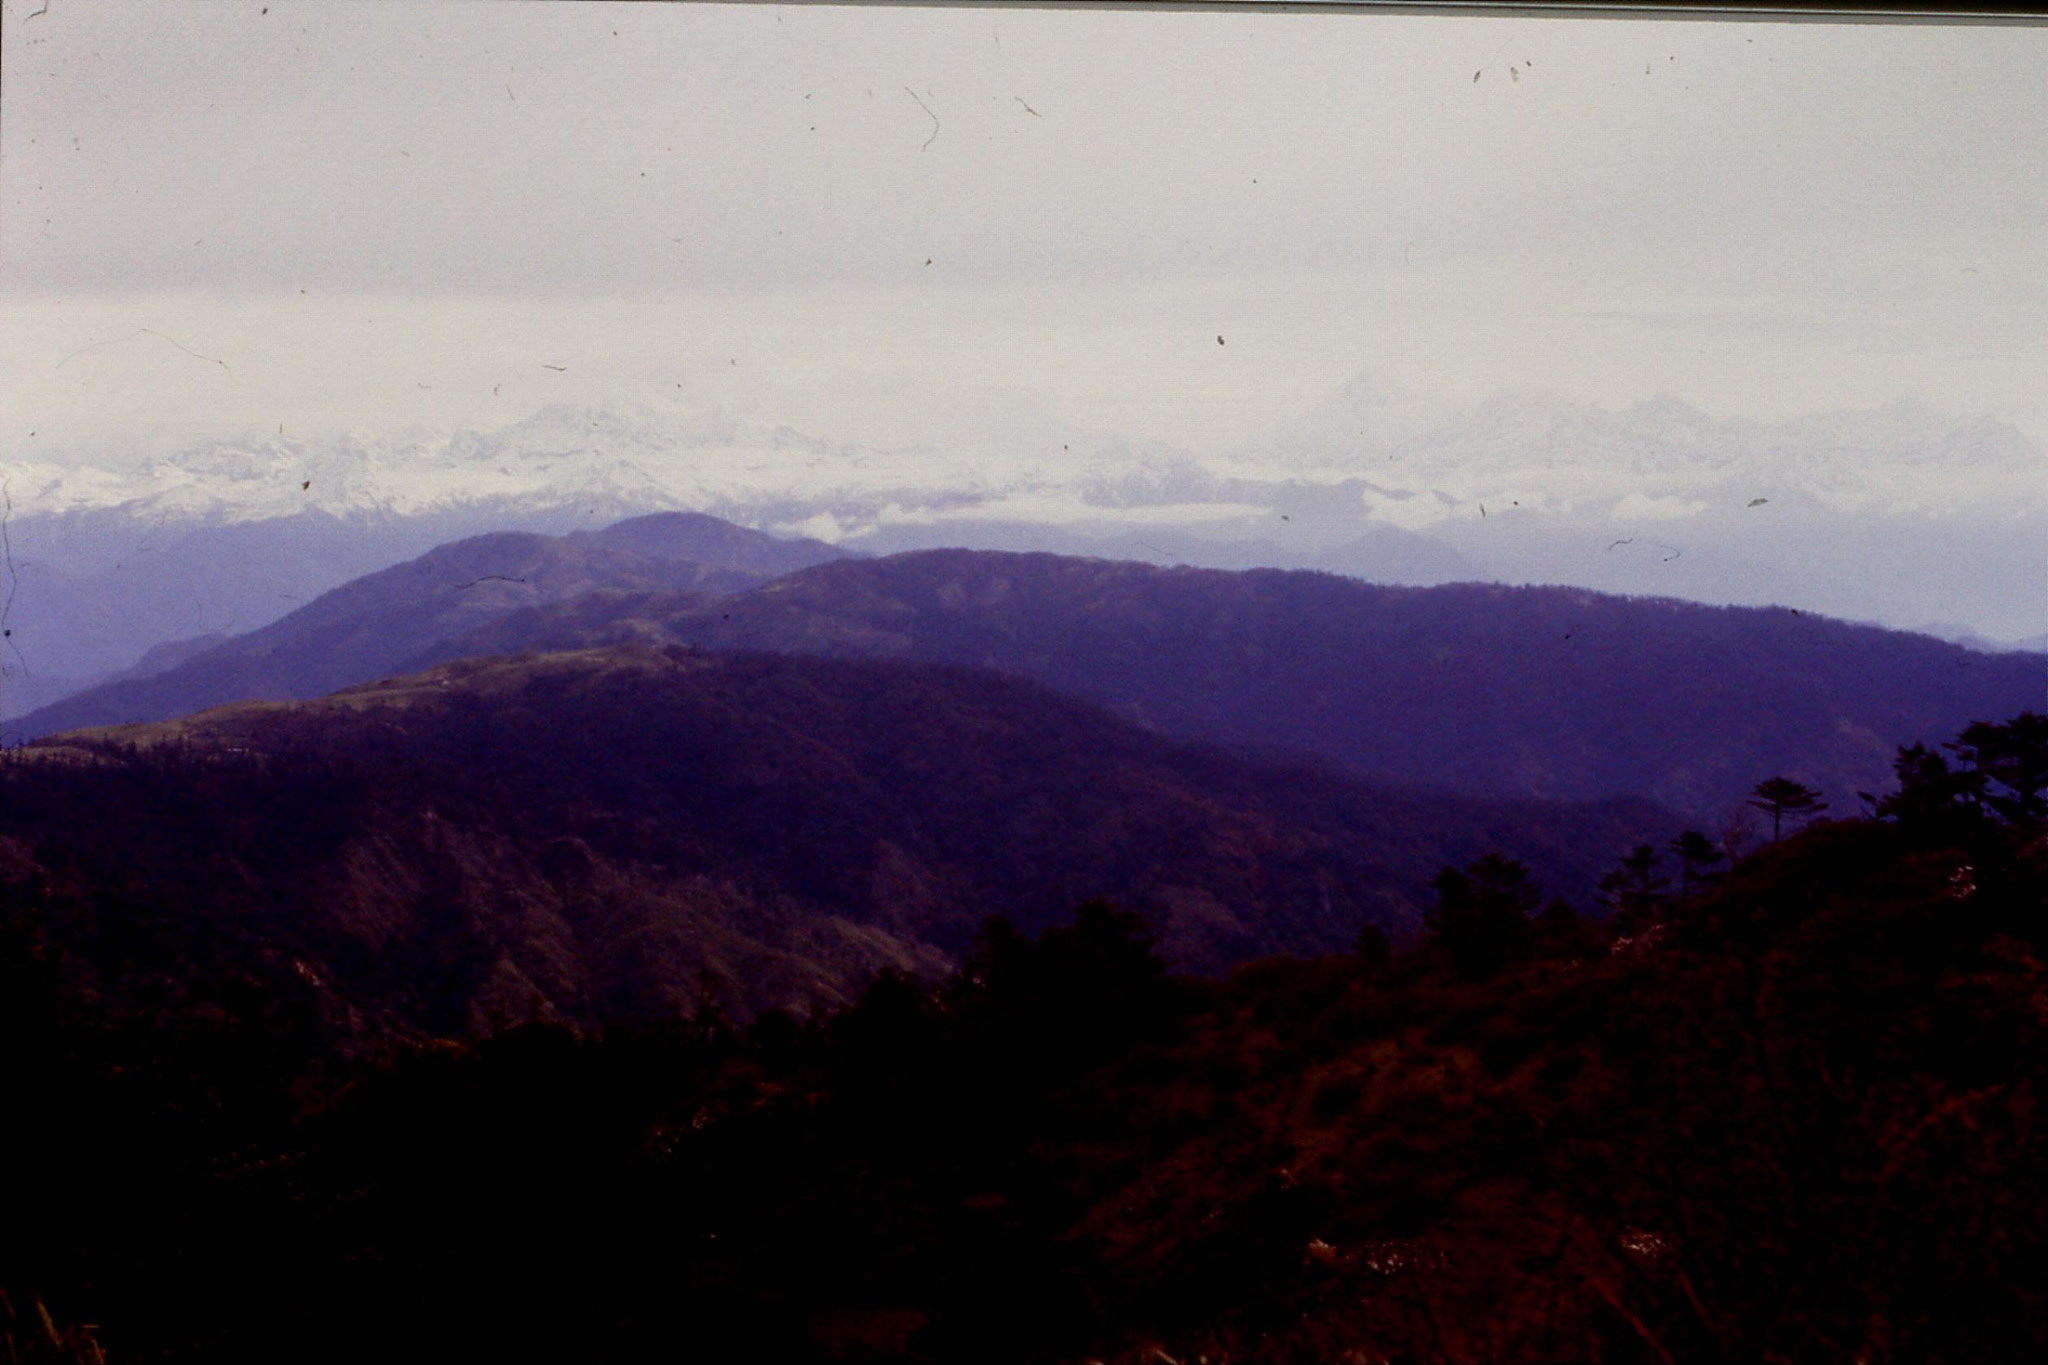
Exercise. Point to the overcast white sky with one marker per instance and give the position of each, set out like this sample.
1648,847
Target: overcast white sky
217,220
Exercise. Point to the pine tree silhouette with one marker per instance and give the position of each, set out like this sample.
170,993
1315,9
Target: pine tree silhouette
1781,796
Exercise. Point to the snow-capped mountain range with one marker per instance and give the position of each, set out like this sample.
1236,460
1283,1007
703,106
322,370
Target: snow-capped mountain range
1412,467
560,456
1660,459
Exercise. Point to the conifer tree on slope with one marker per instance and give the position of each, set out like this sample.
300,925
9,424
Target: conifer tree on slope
1779,797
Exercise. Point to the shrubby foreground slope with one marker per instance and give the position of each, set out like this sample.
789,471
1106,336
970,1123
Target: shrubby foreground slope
1792,1115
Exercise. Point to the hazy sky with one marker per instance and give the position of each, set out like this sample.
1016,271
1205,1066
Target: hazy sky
215,219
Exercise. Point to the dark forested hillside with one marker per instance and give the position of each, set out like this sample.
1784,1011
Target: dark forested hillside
1478,688
1473,687
1552,692
587,836
368,627
1791,1112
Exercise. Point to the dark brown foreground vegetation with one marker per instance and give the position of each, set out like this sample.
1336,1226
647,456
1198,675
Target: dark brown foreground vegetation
1793,1114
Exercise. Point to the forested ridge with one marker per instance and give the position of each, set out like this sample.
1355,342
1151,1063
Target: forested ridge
1481,688
589,836
1485,689
1783,1109
368,627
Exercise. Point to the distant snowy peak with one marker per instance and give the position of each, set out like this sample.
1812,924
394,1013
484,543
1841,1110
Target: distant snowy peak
1540,451
28,487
